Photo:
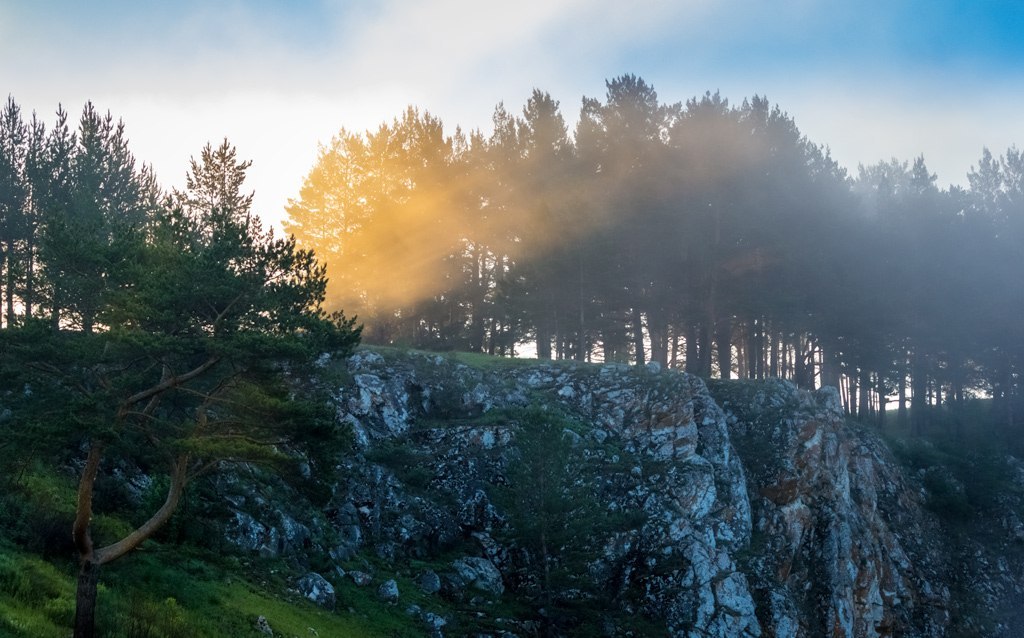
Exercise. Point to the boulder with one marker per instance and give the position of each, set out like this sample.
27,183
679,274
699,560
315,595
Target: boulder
388,591
316,588
429,582
479,573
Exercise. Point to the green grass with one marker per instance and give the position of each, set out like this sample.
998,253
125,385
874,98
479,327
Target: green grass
161,590
167,592
36,598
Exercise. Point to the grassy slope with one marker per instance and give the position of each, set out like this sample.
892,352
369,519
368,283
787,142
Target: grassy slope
165,590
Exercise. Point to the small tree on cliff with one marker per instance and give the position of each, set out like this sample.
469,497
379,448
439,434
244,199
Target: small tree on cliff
186,369
554,515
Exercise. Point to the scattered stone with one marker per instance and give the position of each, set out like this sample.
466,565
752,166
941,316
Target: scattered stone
480,573
316,588
388,591
361,579
263,626
429,582
434,622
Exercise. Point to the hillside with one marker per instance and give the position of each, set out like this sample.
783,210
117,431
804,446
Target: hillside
483,496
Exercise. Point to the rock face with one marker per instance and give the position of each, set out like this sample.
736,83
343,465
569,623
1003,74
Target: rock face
837,529
664,507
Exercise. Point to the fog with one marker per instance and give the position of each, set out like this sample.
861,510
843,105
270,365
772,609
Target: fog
705,234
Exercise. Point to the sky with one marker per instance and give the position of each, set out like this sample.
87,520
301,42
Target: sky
872,79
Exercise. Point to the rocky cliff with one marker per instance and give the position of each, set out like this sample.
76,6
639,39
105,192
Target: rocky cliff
524,499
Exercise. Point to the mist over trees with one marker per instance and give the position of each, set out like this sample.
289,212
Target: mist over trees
701,235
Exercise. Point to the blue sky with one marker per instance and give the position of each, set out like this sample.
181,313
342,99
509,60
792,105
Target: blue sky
871,79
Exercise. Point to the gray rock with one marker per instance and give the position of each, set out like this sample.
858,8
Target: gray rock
316,588
263,626
434,622
361,579
388,591
246,532
480,573
709,525
429,582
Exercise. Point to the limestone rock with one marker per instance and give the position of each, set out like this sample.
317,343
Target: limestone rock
316,588
745,509
429,582
388,591
480,573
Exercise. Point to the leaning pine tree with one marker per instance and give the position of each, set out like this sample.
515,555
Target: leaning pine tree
202,316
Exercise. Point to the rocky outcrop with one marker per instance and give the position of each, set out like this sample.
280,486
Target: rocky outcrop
837,534
655,444
748,510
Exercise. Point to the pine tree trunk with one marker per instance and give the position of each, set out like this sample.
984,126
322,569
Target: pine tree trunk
742,349
10,284
638,337
864,405
673,360
7,291
55,311
852,381
918,395
883,401
30,288
723,338
88,575
85,599
762,349
757,350
901,409
91,559
799,365
657,329
829,368
543,338
752,353
691,362
704,350
581,337
493,334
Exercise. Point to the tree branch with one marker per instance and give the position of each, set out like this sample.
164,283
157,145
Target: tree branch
83,512
179,478
168,383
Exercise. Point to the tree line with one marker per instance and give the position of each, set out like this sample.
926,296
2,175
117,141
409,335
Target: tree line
702,235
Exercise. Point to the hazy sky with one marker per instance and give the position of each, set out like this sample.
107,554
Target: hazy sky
872,79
